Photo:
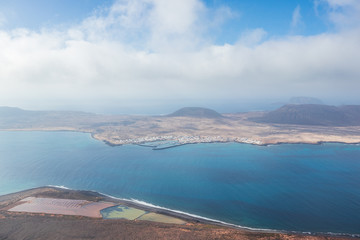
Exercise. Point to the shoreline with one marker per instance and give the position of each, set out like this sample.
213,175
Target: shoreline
111,144
191,218
261,145
255,143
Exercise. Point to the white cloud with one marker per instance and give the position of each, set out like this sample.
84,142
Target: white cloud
345,14
317,3
341,3
3,19
143,49
150,24
222,14
252,37
296,18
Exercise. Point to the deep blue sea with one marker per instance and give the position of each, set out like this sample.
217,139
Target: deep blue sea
297,187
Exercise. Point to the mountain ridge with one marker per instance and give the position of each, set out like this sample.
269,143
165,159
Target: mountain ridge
196,112
313,114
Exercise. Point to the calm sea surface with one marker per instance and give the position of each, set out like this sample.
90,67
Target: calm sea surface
298,187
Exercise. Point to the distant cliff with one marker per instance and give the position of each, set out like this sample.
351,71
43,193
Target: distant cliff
313,114
196,112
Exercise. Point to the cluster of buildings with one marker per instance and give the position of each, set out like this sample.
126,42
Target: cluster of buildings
184,139
248,140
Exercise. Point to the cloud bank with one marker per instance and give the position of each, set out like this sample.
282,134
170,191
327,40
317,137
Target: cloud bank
163,50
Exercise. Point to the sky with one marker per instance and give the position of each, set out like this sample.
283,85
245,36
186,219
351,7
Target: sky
153,56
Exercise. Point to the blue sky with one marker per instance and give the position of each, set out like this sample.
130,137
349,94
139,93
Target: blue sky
141,53
275,16
42,13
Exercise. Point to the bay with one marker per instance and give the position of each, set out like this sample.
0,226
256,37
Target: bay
294,187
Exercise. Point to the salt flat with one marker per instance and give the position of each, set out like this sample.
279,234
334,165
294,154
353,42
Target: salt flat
61,206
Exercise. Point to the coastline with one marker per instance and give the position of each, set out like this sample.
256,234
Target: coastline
196,218
188,217
112,144
261,142
237,130
255,144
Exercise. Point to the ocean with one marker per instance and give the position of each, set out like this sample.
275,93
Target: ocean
292,187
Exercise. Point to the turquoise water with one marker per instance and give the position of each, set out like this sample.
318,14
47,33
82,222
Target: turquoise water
299,187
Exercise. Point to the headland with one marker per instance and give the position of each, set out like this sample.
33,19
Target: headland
40,224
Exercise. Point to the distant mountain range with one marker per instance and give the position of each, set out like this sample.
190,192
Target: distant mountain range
296,114
196,112
313,114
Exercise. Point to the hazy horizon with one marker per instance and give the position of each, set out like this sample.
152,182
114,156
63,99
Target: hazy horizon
159,108
154,56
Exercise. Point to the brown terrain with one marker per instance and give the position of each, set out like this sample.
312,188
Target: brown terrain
186,127
18,225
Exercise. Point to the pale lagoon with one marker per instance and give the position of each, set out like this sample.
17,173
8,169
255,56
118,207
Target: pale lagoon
293,187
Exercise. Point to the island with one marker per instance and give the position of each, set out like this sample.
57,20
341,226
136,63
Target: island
293,123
